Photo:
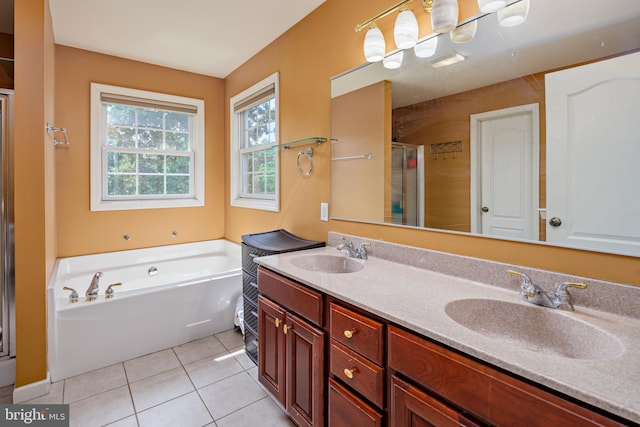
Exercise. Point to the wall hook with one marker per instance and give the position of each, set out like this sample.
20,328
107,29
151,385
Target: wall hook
52,129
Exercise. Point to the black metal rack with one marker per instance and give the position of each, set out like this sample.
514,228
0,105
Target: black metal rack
254,246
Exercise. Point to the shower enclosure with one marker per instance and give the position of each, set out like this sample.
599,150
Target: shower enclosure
407,184
7,295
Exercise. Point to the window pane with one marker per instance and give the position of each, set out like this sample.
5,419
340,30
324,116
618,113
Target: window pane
150,139
120,115
121,162
177,141
178,164
121,185
119,136
177,122
150,163
151,184
178,185
150,118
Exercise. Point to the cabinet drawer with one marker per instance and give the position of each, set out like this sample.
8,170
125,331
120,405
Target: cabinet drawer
357,332
347,410
366,377
291,295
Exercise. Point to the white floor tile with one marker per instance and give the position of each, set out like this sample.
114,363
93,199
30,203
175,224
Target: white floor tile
151,364
199,349
231,339
125,422
101,409
160,388
210,370
229,395
94,382
185,411
263,413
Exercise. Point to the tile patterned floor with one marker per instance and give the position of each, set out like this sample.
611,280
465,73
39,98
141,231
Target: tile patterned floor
208,382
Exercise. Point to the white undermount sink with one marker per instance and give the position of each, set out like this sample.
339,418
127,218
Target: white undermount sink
328,263
535,328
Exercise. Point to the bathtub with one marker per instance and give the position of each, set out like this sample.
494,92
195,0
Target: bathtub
169,295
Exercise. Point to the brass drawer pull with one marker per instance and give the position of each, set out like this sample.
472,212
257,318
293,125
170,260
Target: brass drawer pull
349,333
349,372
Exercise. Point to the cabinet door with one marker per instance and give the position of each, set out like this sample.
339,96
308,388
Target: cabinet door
411,406
305,372
347,410
271,347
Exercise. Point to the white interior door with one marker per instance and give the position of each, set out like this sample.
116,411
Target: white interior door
595,210
504,196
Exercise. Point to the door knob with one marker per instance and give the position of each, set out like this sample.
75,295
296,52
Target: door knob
555,222
485,209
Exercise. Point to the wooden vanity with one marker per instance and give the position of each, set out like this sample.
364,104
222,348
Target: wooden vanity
329,362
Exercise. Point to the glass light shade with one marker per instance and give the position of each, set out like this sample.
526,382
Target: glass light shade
426,48
444,15
405,31
374,45
514,14
490,6
394,61
464,33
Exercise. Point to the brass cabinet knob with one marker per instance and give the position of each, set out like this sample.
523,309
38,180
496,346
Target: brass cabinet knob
277,322
349,333
349,372
286,328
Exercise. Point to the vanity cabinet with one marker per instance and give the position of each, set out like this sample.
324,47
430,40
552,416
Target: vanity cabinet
291,347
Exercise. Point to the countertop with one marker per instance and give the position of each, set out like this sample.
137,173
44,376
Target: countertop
416,298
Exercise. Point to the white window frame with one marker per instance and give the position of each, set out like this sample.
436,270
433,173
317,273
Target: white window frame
99,153
237,197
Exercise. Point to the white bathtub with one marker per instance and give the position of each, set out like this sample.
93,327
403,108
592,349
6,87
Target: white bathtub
192,295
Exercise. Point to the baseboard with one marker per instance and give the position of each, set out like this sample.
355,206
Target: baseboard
31,391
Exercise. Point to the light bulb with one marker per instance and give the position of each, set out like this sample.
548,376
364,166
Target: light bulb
405,31
374,45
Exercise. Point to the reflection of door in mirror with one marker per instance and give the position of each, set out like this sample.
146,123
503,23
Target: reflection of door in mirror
504,172
593,126
407,184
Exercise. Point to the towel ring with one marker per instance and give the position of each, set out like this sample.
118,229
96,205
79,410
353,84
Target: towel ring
309,153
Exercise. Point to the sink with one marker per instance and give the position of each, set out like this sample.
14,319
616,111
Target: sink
328,263
534,328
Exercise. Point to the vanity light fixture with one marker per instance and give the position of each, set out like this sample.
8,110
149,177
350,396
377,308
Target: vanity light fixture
449,59
444,15
405,31
464,33
426,48
374,45
514,14
393,61
490,6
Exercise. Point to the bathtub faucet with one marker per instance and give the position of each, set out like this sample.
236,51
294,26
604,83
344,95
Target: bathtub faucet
92,291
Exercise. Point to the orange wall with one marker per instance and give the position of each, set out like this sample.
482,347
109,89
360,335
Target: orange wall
323,45
35,237
81,231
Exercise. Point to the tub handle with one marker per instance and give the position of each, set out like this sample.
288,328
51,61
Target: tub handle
109,292
73,296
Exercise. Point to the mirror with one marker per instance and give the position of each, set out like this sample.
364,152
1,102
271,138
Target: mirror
427,147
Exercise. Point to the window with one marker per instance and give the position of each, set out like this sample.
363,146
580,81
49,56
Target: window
254,133
147,149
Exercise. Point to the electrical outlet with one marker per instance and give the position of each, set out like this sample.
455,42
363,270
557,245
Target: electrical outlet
324,211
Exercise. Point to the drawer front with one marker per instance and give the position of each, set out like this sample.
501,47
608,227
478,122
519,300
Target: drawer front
295,297
354,370
357,332
347,410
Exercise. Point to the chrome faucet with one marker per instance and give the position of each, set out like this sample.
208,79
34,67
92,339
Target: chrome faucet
92,290
347,245
535,295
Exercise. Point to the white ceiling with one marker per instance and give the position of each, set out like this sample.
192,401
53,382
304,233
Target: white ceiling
210,37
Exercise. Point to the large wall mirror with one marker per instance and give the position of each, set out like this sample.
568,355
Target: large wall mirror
534,136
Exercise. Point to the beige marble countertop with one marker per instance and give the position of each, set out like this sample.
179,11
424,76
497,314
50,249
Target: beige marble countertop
416,298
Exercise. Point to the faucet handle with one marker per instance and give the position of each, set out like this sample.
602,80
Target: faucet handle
563,298
527,289
73,296
109,292
561,289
